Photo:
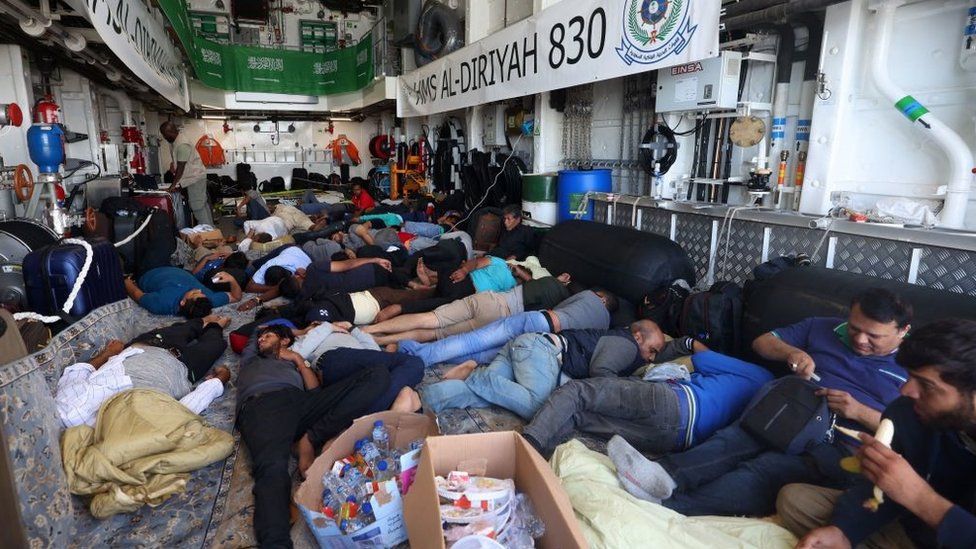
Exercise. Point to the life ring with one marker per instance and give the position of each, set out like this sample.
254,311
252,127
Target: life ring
23,183
382,146
438,33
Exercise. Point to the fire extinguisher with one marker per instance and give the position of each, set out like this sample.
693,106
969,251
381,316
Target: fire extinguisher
420,150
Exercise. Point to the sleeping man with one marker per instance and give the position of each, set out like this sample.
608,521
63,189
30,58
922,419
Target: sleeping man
657,415
531,367
169,359
475,311
587,310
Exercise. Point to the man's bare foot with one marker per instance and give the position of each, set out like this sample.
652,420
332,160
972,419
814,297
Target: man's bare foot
306,455
221,373
461,371
407,401
392,347
222,321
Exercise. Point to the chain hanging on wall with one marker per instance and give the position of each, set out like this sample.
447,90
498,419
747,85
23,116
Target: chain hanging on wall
578,122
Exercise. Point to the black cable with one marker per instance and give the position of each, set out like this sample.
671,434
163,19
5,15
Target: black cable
646,156
674,130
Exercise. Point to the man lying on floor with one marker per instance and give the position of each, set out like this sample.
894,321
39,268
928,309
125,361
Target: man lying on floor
170,359
287,261
587,310
211,265
474,276
475,311
656,414
928,476
174,291
734,472
280,401
531,367
325,277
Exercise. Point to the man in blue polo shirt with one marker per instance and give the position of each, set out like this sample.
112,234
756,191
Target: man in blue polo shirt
657,416
172,291
733,473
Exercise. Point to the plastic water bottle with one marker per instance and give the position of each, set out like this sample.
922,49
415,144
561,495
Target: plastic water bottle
370,452
366,514
382,472
355,481
381,438
415,445
334,492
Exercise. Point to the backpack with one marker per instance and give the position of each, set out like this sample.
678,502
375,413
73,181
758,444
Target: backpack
714,317
664,306
788,415
274,185
771,268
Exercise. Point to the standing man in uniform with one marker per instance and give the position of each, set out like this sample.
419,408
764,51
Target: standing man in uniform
188,173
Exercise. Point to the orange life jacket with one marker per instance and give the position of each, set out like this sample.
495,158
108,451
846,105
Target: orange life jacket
210,151
344,152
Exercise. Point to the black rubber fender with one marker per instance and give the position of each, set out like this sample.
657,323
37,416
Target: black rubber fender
628,262
439,32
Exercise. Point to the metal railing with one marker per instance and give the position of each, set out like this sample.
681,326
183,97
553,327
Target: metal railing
279,156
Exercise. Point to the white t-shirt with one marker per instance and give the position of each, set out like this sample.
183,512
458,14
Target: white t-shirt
194,172
291,258
275,226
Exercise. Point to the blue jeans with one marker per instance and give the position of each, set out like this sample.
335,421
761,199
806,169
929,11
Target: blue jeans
732,473
256,211
430,230
419,243
520,378
310,205
480,345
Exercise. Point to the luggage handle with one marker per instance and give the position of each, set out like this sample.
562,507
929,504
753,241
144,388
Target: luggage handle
79,282
136,232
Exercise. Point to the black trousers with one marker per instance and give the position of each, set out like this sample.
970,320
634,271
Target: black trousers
197,346
405,370
271,422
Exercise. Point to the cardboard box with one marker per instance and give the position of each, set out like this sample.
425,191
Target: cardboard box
208,239
388,507
507,455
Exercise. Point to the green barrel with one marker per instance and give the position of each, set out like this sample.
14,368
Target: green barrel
539,187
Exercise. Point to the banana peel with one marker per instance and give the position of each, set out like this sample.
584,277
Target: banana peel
852,464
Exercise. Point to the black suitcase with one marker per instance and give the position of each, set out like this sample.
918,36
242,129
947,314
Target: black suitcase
51,273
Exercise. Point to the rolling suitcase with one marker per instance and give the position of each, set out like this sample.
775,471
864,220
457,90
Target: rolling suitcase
57,268
172,203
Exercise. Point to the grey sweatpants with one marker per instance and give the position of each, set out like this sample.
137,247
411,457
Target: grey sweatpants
644,413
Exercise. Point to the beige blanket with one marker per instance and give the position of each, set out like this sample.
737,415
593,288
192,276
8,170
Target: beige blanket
612,518
140,452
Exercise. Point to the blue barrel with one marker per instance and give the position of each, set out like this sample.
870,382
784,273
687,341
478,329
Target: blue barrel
573,186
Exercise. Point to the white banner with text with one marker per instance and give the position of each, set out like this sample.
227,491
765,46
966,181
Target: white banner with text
570,43
138,37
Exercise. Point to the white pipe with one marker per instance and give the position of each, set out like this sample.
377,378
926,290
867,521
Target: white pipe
960,156
124,103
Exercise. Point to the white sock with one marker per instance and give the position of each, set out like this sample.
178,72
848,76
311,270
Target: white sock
201,397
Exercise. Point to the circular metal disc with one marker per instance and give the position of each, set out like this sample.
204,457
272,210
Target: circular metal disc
747,131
